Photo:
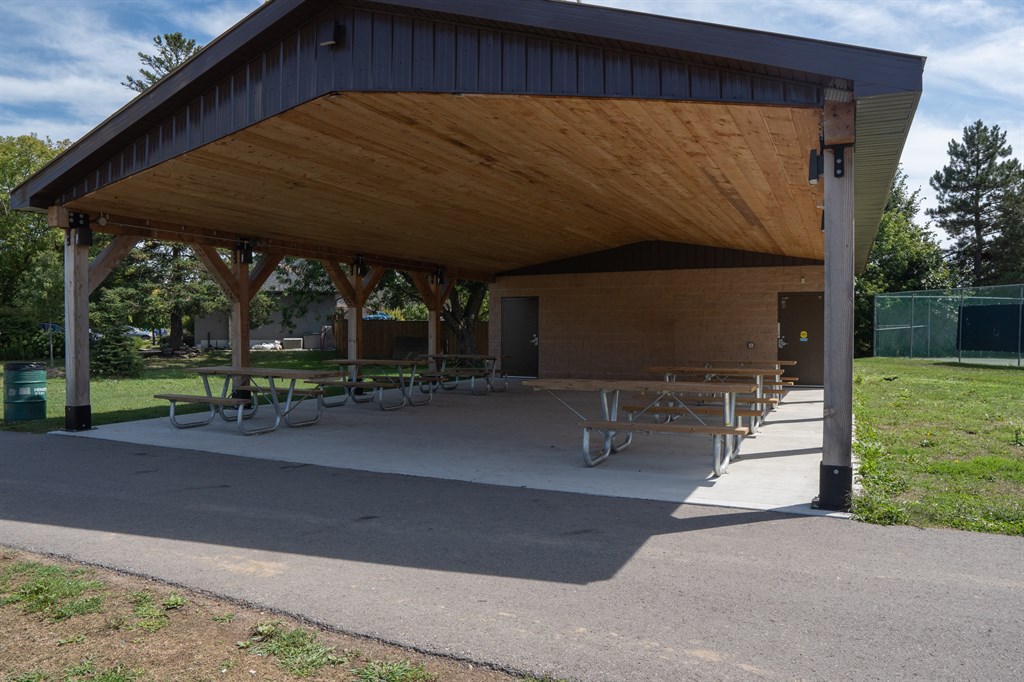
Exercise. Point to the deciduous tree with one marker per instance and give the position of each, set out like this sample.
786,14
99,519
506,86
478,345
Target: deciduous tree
24,237
904,257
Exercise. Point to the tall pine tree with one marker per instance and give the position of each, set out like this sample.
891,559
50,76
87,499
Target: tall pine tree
976,196
172,49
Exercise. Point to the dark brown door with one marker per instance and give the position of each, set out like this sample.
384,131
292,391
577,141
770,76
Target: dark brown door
519,341
802,335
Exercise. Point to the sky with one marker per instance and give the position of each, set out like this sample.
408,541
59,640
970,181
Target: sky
62,62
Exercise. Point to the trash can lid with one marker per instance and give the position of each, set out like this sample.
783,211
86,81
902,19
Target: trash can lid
22,366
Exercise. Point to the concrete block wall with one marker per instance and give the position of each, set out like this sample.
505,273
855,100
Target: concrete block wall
612,325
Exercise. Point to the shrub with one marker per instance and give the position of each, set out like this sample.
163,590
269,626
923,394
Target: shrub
20,337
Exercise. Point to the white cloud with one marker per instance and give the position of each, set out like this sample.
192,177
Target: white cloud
62,79
991,62
212,20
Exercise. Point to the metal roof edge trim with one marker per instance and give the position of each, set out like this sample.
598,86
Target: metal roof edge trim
885,71
866,229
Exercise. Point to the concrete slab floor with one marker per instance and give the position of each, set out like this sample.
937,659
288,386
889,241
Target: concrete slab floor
525,438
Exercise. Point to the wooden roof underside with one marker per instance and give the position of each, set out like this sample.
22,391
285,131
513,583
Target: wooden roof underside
491,183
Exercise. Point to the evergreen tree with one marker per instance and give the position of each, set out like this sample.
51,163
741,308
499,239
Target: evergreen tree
172,50
904,257
168,276
975,192
1009,244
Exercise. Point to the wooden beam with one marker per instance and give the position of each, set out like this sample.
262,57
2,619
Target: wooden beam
839,124
220,272
366,285
144,228
423,286
264,269
836,464
57,216
107,259
341,281
447,289
77,407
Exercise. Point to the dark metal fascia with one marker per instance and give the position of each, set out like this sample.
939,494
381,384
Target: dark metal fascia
879,71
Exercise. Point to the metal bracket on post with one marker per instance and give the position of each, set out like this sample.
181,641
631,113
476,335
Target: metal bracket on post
80,223
243,250
835,484
839,161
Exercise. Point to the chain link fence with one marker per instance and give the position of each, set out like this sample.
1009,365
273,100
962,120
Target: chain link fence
969,324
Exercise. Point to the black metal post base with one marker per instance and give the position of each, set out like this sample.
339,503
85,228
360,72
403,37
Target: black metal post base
835,485
77,417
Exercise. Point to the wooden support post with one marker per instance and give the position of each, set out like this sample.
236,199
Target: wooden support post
240,285
239,325
354,318
355,289
433,294
77,407
836,475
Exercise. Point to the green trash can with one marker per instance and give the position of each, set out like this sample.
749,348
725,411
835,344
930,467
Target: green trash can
24,391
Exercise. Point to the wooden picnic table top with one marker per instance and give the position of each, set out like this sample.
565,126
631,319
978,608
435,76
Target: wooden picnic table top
275,372
719,371
640,386
364,362
459,356
741,363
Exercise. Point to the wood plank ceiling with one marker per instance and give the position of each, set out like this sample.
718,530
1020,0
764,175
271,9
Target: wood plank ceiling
490,183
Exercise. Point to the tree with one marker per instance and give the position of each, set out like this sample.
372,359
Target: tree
975,192
172,50
1008,246
306,281
24,237
904,257
169,276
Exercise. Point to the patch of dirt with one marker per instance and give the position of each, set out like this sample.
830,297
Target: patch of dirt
199,642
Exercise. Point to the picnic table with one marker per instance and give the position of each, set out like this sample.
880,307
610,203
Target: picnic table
760,400
249,385
404,378
617,434
450,368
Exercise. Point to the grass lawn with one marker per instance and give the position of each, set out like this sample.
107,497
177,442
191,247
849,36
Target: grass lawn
122,400
940,444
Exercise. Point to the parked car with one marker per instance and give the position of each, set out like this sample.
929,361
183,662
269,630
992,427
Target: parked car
377,316
140,333
55,328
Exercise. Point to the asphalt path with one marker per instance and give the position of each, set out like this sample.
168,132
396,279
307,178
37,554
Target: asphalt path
579,586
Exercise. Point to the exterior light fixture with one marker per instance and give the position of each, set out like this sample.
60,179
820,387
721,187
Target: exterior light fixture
360,266
243,251
815,167
334,36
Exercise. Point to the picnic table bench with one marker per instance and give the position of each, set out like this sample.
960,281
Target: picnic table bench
617,435
405,379
451,368
250,384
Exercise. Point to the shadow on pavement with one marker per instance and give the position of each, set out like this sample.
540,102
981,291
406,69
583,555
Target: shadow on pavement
335,513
